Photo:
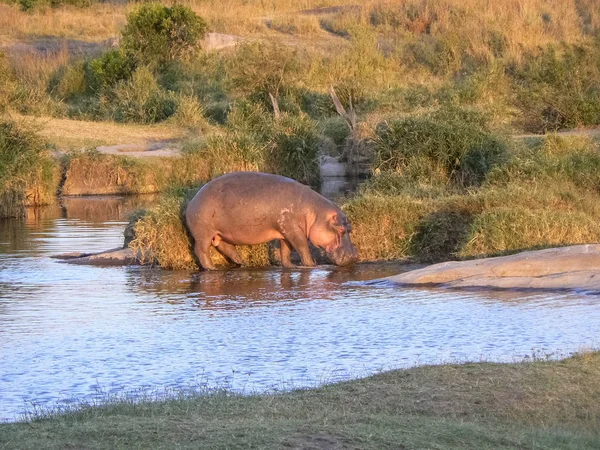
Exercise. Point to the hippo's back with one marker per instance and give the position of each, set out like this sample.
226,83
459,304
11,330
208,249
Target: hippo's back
252,201
250,189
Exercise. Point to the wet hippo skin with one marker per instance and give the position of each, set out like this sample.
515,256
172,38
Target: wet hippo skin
246,208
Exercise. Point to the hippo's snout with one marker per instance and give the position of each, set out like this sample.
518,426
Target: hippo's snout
345,254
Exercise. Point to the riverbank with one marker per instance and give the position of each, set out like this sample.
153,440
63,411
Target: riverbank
535,404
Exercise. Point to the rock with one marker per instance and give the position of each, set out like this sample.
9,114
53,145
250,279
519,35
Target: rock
71,255
576,267
332,167
218,41
115,257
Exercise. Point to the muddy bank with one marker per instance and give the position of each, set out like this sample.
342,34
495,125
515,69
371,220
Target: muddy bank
571,268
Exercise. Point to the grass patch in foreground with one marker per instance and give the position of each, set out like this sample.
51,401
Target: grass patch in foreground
538,404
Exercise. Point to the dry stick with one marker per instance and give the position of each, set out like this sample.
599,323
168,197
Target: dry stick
349,117
276,111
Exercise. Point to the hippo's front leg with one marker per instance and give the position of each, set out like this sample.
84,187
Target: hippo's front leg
285,249
299,241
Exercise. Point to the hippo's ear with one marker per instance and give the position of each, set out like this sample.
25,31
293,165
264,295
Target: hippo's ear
337,224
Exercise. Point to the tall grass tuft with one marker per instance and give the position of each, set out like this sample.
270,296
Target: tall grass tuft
559,87
161,237
442,148
28,174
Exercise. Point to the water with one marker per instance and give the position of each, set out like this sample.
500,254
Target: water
68,332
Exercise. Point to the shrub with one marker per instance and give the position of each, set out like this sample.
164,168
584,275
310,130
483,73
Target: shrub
336,129
139,99
70,81
295,148
27,5
189,113
287,146
156,34
441,56
555,159
162,238
28,174
259,68
447,148
559,88
110,68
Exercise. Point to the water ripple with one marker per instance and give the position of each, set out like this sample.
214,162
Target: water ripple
67,332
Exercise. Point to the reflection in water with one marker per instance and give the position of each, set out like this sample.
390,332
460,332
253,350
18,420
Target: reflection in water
67,331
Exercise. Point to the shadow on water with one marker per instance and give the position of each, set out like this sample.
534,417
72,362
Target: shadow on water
242,288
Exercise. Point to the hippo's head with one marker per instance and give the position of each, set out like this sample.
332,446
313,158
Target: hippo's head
332,234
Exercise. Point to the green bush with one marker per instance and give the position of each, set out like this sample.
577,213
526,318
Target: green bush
559,88
70,81
259,68
443,147
336,129
27,5
156,34
290,144
110,68
255,140
139,99
441,56
555,159
295,148
28,175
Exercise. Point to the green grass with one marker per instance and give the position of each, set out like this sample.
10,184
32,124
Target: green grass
542,195
537,405
162,238
538,196
29,176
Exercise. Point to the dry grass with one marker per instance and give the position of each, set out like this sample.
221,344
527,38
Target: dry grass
523,23
161,238
67,134
96,23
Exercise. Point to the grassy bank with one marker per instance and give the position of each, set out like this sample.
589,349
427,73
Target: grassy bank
430,92
28,173
539,404
432,207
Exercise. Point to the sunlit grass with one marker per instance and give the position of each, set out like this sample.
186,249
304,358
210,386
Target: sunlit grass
452,406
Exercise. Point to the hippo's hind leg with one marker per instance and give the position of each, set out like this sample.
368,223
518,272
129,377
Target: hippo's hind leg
202,250
229,252
298,240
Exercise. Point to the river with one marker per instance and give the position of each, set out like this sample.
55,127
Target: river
71,334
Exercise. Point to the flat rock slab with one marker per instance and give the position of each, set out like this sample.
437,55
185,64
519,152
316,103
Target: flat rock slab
151,149
573,268
115,257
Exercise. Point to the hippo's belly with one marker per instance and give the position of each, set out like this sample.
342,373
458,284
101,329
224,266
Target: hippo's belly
249,236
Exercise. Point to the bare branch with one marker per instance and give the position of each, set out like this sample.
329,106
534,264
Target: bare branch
349,117
276,111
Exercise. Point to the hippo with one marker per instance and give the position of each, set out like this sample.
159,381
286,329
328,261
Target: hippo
253,208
